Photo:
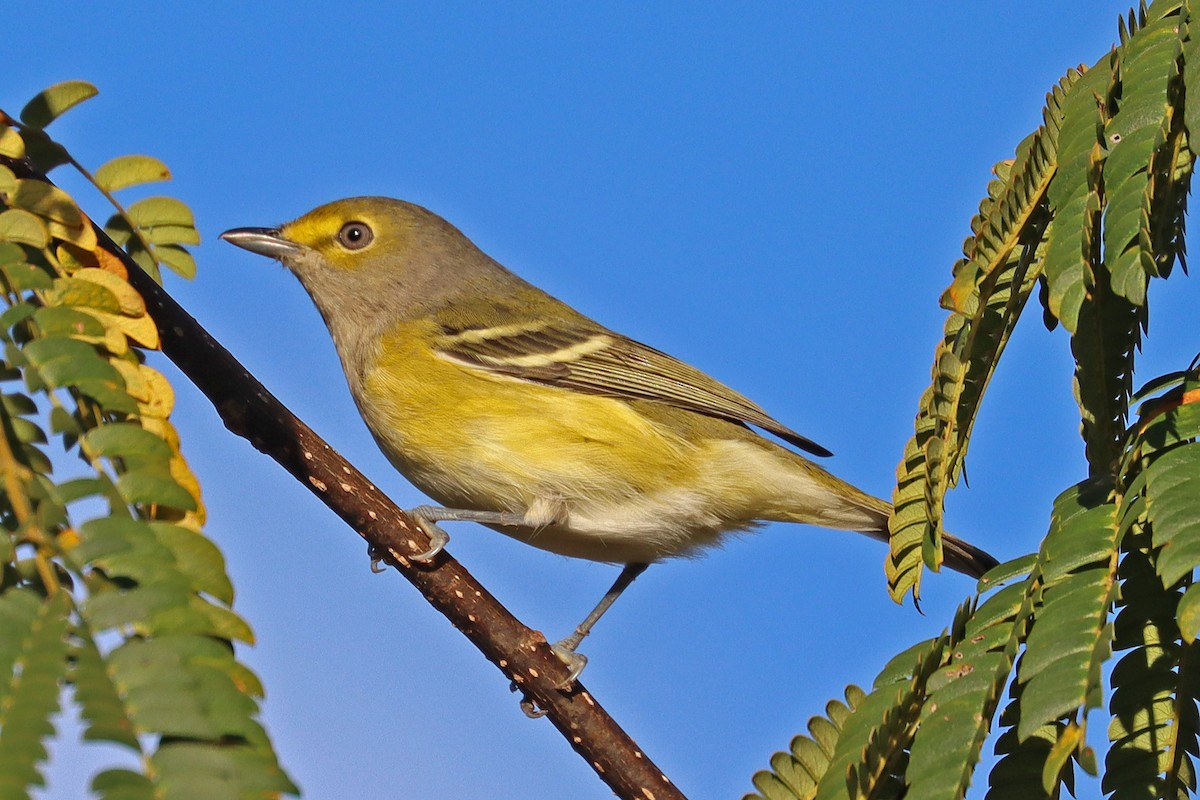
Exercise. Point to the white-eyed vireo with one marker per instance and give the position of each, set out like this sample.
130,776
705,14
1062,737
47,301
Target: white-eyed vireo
510,408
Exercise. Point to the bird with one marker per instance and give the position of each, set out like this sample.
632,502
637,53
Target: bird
510,408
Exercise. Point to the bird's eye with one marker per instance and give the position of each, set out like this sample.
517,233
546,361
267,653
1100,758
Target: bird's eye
355,235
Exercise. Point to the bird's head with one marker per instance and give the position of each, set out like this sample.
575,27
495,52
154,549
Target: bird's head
365,256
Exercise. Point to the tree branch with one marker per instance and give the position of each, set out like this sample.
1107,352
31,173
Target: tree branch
522,654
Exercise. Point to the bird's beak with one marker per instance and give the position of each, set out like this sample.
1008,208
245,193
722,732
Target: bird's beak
264,241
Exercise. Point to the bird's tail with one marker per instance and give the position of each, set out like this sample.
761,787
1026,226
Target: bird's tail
965,557
838,504
958,555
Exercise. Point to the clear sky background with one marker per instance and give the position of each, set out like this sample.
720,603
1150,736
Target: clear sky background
775,195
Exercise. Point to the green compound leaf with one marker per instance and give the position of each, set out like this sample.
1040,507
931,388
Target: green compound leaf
1001,265
1141,125
1075,200
1070,637
963,696
33,632
145,577
105,714
795,774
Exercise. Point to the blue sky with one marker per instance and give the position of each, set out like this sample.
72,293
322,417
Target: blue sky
775,195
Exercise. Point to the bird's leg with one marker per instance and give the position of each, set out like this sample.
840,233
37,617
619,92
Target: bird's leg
565,649
428,517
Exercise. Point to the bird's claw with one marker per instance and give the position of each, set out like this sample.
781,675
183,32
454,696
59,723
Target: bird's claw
438,539
376,559
575,662
529,706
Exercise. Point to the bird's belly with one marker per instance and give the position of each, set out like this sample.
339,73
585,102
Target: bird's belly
637,530
576,507
592,477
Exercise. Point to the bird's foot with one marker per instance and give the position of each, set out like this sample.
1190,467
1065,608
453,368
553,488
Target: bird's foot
438,539
574,661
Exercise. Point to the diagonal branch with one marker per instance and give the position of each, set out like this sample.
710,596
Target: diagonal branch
522,654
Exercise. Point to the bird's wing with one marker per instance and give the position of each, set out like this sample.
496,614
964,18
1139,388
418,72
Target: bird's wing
591,359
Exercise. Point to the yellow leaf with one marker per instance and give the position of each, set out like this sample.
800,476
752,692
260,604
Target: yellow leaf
135,384
130,302
76,292
85,237
115,342
47,201
11,143
1069,741
141,330
68,539
63,218
111,263
184,476
72,258
161,395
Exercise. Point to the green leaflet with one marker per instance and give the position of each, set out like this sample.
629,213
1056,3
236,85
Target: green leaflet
51,103
21,227
124,171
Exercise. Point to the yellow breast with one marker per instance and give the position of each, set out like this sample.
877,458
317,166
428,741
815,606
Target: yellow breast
473,439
